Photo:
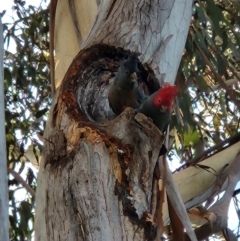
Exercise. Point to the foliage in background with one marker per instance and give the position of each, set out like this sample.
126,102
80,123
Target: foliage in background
208,114
27,100
213,115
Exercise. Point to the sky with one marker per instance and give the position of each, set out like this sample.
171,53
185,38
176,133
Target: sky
10,16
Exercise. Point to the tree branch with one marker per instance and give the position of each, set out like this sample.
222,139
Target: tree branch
213,150
176,200
22,181
218,213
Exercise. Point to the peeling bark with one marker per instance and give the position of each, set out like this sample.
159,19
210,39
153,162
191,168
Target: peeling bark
188,180
157,29
217,215
104,168
97,169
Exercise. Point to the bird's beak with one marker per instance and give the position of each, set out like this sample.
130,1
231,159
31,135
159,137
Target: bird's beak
133,77
163,108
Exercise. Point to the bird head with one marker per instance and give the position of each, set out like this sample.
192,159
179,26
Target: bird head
164,97
129,66
133,77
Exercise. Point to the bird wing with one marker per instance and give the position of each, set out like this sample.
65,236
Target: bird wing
140,95
114,100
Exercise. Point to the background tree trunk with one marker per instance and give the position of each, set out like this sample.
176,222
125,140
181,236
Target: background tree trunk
95,178
4,227
73,19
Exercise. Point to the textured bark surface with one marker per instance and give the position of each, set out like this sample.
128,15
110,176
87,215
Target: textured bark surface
148,27
98,172
95,179
157,29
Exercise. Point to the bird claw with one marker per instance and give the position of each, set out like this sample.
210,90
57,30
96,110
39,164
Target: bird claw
150,119
130,110
163,150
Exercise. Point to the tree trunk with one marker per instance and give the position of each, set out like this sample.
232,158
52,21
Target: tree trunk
4,227
74,19
96,175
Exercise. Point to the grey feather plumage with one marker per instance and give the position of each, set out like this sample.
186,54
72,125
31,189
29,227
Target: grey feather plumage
125,91
160,118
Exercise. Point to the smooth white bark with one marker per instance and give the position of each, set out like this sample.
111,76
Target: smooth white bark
4,220
67,43
156,29
196,185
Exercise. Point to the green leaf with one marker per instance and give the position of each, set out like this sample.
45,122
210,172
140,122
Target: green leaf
237,37
10,137
225,39
7,77
40,113
185,105
201,15
25,211
189,45
201,82
200,62
191,137
221,64
215,16
202,44
235,50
